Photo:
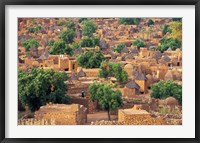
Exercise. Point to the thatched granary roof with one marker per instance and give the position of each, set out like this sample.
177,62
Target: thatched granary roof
166,59
132,84
157,55
140,76
125,50
169,75
42,57
134,51
81,73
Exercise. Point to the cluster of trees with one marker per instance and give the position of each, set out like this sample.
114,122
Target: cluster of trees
90,42
129,21
138,43
108,99
67,38
90,59
166,88
110,69
166,43
119,47
61,47
89,28
39,87
30,43
34,29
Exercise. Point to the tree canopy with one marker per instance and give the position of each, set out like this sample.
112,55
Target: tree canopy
68,36
90,59
89,28
39,87
61,47
30,43
150,22
119,47
89,42
109,69
166,43
138,43
166,88
129,21
108,98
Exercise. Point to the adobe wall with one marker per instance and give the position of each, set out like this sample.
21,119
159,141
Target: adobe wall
73,114
140,118
91,72
142,84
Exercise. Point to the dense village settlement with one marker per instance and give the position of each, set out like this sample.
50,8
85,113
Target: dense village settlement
99,71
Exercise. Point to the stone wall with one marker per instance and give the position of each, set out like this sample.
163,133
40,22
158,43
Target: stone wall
73,114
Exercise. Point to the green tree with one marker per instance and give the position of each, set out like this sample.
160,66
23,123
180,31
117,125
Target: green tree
129,21
90,59
68,36
138,43
166,43
86,42
166,88
109,69
166,29
119,47
75,45
176,28
71,25
90,42
89,28
61,47
39,87
30,43
150,22
108,99
82,19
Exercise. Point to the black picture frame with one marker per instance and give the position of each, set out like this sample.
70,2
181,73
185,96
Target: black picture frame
3,4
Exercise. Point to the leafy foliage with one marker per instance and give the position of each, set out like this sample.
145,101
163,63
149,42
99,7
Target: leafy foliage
109,69
108,99
168,42
75,45
176,28
68,36
34,29
90,59
119,47
71,25
82,19
39,87
129,21
61,48
90,42
89,28
138,43
150,22
50,43
166,29
30,43
164,89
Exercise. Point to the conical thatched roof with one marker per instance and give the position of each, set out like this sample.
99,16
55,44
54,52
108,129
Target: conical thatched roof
157,55
134,51
132,84
42,57
125,50
169,75
140,76
81,73
166,59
